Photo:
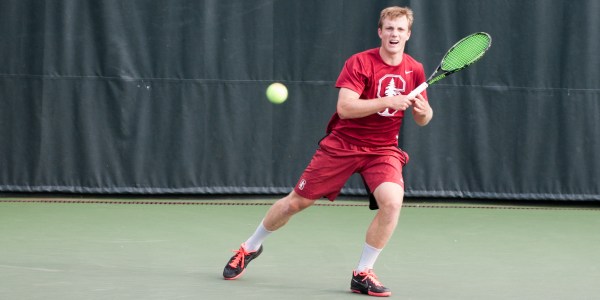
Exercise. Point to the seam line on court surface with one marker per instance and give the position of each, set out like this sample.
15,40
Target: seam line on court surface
248,203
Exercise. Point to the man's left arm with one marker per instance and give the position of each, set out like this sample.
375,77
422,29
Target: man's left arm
422,111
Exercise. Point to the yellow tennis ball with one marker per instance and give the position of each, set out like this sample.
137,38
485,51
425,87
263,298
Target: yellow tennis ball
277,93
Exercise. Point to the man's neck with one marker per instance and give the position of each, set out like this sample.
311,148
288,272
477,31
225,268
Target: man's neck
391,59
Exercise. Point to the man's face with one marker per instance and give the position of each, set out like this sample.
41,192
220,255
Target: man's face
393,34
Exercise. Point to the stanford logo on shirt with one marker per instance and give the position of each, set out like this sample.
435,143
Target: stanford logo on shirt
390,85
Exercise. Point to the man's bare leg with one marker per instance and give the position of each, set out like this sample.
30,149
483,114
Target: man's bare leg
389,197
277,216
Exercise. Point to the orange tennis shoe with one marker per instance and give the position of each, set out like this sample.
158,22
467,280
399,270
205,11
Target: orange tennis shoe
367,283
238,262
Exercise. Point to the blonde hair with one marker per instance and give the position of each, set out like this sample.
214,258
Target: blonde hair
396,12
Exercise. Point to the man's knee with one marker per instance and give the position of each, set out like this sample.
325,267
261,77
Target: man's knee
389,196
295,203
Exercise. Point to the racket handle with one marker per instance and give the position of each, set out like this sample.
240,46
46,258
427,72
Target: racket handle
418,90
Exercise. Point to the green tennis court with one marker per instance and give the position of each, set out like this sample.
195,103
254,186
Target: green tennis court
176,249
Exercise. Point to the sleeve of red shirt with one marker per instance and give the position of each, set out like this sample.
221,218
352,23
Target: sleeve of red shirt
351,76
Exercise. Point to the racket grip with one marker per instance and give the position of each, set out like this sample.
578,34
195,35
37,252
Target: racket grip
417,90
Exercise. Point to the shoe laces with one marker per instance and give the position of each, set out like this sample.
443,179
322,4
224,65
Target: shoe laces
240,257
369,274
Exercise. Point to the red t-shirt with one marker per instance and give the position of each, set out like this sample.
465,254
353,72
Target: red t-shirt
367,74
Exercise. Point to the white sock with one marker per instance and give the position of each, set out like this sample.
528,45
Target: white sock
254,242
368,258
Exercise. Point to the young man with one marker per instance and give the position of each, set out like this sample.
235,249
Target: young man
362,138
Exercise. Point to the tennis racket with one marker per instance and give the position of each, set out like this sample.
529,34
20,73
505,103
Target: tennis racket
463,54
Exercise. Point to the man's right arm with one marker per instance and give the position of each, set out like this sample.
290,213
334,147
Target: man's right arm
350,106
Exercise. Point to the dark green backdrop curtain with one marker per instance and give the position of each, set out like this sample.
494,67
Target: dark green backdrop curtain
160,97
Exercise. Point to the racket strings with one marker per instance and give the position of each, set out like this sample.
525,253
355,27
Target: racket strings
466,51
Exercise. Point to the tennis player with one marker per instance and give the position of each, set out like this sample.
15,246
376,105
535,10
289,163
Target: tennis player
362,137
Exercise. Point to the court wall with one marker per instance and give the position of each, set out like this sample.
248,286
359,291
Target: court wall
163,97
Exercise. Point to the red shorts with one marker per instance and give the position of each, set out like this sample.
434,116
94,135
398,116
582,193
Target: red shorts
336,160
